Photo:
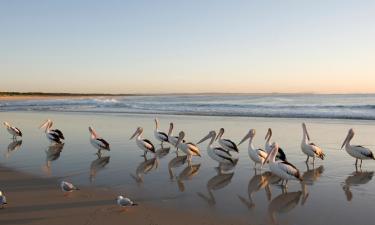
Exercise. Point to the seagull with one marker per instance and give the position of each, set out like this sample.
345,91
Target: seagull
125,202
3,199
13,130
68,187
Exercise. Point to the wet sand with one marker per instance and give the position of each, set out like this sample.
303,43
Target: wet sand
35,200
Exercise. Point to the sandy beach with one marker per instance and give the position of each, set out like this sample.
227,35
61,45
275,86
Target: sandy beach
35,200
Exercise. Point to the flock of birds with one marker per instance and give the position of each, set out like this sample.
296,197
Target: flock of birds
225,152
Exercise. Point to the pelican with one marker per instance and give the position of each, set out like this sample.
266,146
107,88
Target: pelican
55,135
188,148
280,168
67,187
98,142
171,138
14,131
268,147
256,154
218,154
226,143
3,199
356,151
125,202
143,144
160,136
310,149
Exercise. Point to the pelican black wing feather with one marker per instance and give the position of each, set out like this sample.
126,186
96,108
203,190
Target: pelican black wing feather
105,143
164,136
59,133
18,131
152,149
233,144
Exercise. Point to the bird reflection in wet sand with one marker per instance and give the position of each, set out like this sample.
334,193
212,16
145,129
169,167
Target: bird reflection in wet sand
97,165
256,183
175,163
219,181
283,203
52,153
143,168
13,147
187,174
312,175
162,152
356,179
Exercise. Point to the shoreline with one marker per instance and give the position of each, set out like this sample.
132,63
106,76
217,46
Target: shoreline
38,200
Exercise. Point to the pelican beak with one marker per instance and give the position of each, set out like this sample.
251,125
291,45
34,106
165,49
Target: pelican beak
221,132
269,133
135,133
180,138
44,124
348,137
170,129
245,138
209,135
305,129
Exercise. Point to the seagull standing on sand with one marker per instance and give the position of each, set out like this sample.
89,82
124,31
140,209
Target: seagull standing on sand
356,151
55,135
14,131
67,187
125,202
3,199
98,142
309,148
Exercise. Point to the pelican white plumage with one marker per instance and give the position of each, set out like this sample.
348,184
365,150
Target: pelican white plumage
144,144
14,131
356,151
125,202
280,168
68,187
3,199
189,148
218,154
55,135
98,142
309,148
226,143
171,138
160,136
268,146
258,155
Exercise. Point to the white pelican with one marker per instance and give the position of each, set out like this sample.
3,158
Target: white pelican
268,146
143,144
55,135
280,168
218,154
256,154
3,199
98,142
171,138
14,131
160,136
188,148
226,143
356,151
125,202
309,148
67,187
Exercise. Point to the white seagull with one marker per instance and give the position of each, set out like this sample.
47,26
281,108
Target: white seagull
356,151
188,148
125,202
144,144
160,136
226,143
67,187
258,155
14,131
280,168
98,142
309,148
218,154
268,146
3,199
55,135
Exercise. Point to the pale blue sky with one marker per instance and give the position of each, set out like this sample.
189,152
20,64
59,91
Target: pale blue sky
187,46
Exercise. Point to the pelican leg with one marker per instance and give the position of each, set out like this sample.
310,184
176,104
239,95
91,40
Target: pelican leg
313,160
307,160
360,166
356,162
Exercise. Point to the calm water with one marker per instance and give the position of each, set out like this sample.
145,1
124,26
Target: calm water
335,193
271,105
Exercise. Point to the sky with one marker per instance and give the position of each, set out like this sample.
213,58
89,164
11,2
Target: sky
160,46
